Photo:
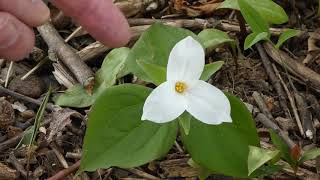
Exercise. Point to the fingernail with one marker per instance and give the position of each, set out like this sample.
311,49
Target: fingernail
8,32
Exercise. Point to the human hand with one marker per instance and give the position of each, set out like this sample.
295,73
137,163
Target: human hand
99,17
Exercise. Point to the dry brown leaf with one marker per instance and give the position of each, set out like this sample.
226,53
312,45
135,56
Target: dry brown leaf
270,103
196,8
178,168
313,49
7,173
60,119
6,114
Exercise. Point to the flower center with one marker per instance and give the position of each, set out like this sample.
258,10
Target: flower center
180,87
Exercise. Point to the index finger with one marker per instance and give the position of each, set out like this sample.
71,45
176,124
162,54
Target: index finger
31,12
100,18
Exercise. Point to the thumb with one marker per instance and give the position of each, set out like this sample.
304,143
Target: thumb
16,39
100,18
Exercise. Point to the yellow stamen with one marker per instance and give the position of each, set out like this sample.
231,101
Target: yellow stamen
180,87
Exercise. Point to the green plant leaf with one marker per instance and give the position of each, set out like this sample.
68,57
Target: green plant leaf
285,36
210,69
211,38
253,38
229,4
26,138
223,148
184,121
258,156
252,17
116,135
154,47
39,116
203,173
113,67
31,133
283,147
155,72
76,96
269,169
269,10
308,155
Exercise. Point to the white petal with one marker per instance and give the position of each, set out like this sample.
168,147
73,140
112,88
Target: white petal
208,104
186,60
164,104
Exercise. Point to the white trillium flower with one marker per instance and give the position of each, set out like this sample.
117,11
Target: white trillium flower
183,91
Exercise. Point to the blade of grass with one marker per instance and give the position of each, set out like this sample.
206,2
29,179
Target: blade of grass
36,125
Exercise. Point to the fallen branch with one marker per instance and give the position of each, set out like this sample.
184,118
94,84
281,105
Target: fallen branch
313,102
269,124
10,142
65,172
305,73
267,119
305,116
25,98
142,174
268,67
79,69
199,24
139,25
291,100
14,161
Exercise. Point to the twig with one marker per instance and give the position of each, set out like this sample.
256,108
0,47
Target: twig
62,75
14,161
97,48
268,67
10,142
65,172
267,119
8,74
305,116
74,33
15,140
102,172
25,98
313,102
60,157
262,105
199,24
73,155
291,100
93,50
34,68
55,42
178,147
269,124
142,174
293,66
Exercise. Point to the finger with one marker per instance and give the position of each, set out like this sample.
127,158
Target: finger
100,18
31,12
16,38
